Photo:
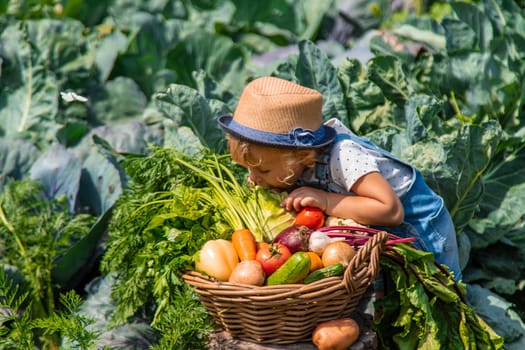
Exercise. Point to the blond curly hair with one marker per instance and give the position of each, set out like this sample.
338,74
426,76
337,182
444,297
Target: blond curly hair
240,153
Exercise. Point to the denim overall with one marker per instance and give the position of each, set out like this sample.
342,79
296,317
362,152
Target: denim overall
426,217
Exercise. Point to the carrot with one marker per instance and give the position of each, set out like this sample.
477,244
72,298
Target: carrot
245,244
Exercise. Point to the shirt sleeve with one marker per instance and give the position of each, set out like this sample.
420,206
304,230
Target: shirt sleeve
349,161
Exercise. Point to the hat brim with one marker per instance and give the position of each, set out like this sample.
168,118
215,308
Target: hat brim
270,139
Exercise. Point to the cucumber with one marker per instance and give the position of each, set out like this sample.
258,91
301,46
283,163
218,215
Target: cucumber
294,270
329,271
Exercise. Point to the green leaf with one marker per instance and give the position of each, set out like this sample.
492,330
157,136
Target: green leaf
315,71
428,307
16,158
186,107
387,73
90,14
119,100
420,33
314,12
422,117
473,27
101,183
148,40
31,104
368,109
107,50
284,22
495,310
127,137
65,52
59,173
217,55
499,215
463,158
73,266
459,35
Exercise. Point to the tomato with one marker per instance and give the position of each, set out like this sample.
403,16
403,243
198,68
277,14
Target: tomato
310,217
272,256
217,258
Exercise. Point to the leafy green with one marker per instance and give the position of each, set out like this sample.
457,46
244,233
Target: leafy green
15,331
428,308
35,232
315,71
218,55
59,173
273,218
174,204
491,307
16,158
257,210
19,329
69,324
159,223
184,106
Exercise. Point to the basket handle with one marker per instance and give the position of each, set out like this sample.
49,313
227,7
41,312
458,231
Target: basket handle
356,275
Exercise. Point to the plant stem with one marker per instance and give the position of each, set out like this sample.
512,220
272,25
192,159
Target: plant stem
12,230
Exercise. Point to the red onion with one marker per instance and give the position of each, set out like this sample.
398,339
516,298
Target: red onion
294,238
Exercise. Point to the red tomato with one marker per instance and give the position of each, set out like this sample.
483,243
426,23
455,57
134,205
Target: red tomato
272,256
310,217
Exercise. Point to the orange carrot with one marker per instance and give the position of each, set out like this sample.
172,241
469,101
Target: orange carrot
245,244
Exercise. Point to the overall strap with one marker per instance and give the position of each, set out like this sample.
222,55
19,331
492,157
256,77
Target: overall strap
322,170
322,167
322,173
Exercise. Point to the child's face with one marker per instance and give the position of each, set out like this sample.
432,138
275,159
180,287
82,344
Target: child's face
271,168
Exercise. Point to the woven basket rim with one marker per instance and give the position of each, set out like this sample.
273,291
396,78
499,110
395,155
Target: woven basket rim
376,242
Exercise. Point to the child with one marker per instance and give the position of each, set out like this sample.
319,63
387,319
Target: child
277,133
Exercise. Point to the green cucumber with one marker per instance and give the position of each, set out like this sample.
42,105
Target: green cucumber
329,271
294,270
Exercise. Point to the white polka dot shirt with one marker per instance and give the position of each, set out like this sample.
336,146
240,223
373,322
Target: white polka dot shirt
349,161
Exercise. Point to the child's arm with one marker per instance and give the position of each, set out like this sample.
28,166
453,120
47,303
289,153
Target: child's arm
374,202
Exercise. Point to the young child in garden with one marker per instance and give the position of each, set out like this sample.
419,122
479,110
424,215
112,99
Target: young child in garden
277,133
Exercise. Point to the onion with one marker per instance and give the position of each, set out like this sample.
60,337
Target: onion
294,238
319,240
337,252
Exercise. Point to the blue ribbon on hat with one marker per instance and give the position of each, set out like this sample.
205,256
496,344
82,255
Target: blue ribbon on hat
304,137
296,137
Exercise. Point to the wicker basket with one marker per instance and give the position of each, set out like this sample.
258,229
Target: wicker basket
285,314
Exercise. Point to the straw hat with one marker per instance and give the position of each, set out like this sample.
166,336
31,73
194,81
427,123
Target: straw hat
278,113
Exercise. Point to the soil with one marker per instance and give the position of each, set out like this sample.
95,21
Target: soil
221,340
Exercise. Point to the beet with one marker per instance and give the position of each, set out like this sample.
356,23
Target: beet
294,238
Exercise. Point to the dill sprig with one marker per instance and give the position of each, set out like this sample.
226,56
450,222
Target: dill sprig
35,231
69,324
15,323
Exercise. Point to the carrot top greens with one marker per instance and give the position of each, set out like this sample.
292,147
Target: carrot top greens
174,204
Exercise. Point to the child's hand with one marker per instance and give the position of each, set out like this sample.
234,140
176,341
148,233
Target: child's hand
305,197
